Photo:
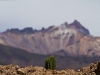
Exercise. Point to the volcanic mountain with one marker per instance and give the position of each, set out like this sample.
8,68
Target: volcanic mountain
65,39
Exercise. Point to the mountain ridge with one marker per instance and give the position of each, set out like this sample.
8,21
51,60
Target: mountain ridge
73,38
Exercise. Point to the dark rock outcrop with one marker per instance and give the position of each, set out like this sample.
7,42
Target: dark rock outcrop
28,30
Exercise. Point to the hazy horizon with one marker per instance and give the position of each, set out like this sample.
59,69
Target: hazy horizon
43,13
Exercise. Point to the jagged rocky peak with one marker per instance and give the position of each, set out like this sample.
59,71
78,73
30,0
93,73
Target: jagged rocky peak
79,27
13,30
27,30
76,24
58,28
65,27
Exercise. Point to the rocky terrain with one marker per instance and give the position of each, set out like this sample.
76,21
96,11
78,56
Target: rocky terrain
93,69
66,39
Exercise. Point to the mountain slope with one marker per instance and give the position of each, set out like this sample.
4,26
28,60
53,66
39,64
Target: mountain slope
73,38
11,55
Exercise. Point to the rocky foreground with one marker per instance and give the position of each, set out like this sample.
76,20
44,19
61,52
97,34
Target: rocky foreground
93,69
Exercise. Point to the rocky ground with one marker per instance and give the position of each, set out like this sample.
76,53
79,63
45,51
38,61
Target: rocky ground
93,69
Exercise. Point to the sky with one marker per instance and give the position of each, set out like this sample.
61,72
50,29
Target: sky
45,13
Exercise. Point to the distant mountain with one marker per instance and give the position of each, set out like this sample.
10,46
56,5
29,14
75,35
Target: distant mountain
74,39
11,55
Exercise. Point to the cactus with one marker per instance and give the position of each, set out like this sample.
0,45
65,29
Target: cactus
50,63
53,63
46,64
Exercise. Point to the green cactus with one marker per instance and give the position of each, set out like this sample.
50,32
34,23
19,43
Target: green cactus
50,63
53,63
47,63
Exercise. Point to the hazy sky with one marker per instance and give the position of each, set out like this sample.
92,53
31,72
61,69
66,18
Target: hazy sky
43,13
